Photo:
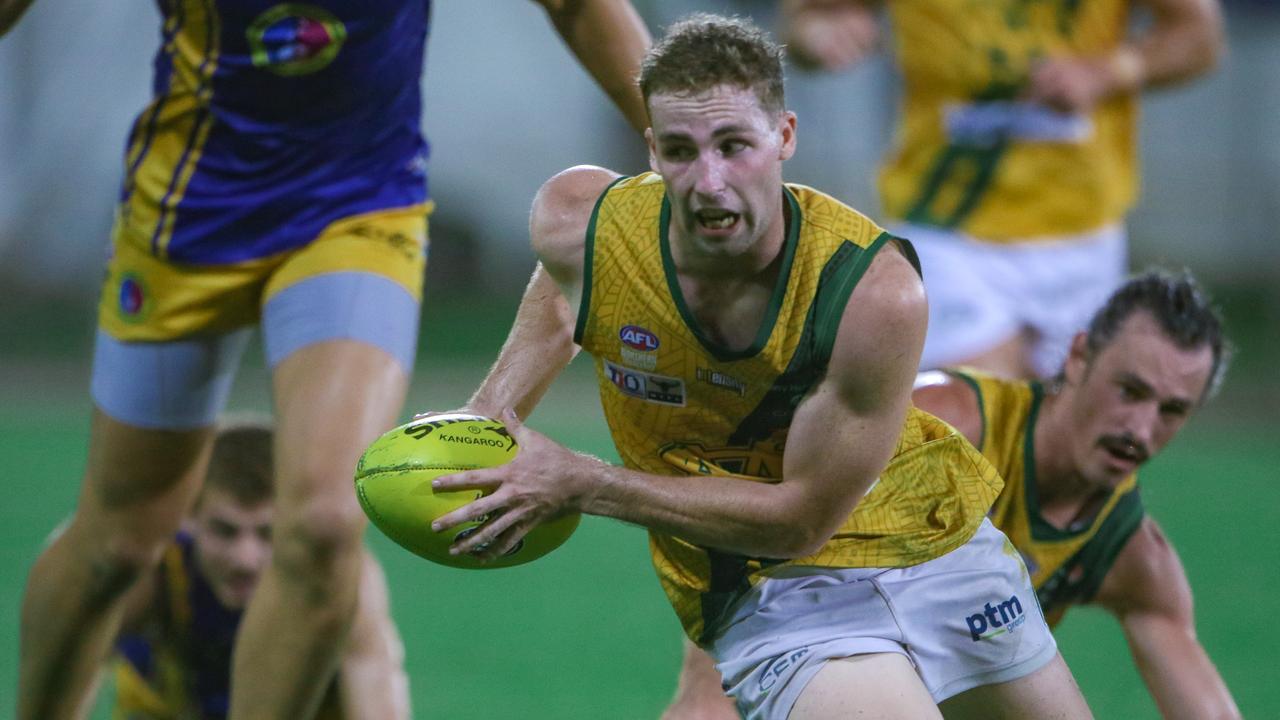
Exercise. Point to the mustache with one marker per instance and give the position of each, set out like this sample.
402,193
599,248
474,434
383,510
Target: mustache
1126,444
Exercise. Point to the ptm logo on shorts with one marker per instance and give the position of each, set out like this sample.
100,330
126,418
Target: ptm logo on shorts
996,620
778,667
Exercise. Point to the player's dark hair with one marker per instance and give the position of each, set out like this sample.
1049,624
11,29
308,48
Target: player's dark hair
1181,309
242,463
703,51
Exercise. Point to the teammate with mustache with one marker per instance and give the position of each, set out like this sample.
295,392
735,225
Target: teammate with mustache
1068,451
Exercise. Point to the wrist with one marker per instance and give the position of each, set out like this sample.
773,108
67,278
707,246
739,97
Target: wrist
1127,68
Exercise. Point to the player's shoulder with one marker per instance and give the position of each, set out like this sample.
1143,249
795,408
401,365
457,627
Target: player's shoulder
563,207
1147,575
947,395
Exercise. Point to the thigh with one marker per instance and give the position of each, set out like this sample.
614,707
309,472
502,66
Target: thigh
1049,693
139,483
360,280
869,687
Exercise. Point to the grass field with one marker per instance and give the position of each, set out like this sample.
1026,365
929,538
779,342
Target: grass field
585,632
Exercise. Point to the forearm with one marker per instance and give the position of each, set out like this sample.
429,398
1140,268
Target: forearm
1185,41
754,519
609,39
1182,679
537,349
10,12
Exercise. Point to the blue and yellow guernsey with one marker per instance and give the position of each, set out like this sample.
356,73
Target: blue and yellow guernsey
272,120
677,403
176,665
1067,566
970,154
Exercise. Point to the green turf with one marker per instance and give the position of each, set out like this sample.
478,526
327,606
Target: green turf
585,632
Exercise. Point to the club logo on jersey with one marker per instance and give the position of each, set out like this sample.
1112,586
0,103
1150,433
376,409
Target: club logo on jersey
133,298
638,338
996,620
761,460
721,380
295,39
645,386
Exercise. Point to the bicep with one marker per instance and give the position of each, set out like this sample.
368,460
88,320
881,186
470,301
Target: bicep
844,433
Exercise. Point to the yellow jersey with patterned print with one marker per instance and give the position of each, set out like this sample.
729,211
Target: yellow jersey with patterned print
678,403
1067,566
971,154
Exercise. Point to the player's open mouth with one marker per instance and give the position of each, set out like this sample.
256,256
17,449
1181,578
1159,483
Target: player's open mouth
716,219
1126,451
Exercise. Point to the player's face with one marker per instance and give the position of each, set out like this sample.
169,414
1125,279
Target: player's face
1133,398
232,545
720,154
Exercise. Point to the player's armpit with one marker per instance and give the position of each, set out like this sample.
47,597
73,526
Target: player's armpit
1147,590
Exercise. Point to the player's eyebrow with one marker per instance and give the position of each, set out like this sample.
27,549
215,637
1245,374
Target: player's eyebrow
730,129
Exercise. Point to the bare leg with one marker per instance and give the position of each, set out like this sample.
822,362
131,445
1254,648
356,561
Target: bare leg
1049,693
699,695
137,487
332,399
880,686
372,680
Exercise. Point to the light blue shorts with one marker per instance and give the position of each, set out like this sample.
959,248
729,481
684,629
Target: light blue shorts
183,384
965,619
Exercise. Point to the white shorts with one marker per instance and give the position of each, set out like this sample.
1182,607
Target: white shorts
981,294
965,619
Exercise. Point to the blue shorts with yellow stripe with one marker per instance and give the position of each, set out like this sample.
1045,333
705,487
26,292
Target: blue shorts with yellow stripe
170,334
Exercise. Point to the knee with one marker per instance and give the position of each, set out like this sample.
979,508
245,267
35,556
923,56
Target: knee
319,537
116,561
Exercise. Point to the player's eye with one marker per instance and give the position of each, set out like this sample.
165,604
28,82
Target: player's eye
732,147
678,153
1131,392
222,530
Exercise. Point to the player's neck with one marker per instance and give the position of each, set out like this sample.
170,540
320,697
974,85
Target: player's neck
1065,496
729,297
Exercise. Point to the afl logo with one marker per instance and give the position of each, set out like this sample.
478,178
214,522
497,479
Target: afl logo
295,39
132,297
637,338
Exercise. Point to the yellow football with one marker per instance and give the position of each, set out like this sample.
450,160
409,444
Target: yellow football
393,483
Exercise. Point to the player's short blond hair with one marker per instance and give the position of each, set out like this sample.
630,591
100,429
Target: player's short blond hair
705,51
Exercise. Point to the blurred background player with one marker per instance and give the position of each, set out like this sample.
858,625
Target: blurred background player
1013,165
277,177
173,657
1068,451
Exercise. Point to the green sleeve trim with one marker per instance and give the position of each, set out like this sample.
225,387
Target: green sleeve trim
588,261
972,382
833,296
1101,552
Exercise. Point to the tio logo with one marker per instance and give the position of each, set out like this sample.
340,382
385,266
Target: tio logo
993,621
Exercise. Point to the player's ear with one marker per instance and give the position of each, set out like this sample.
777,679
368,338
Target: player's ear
1077,359
787,129
653,148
